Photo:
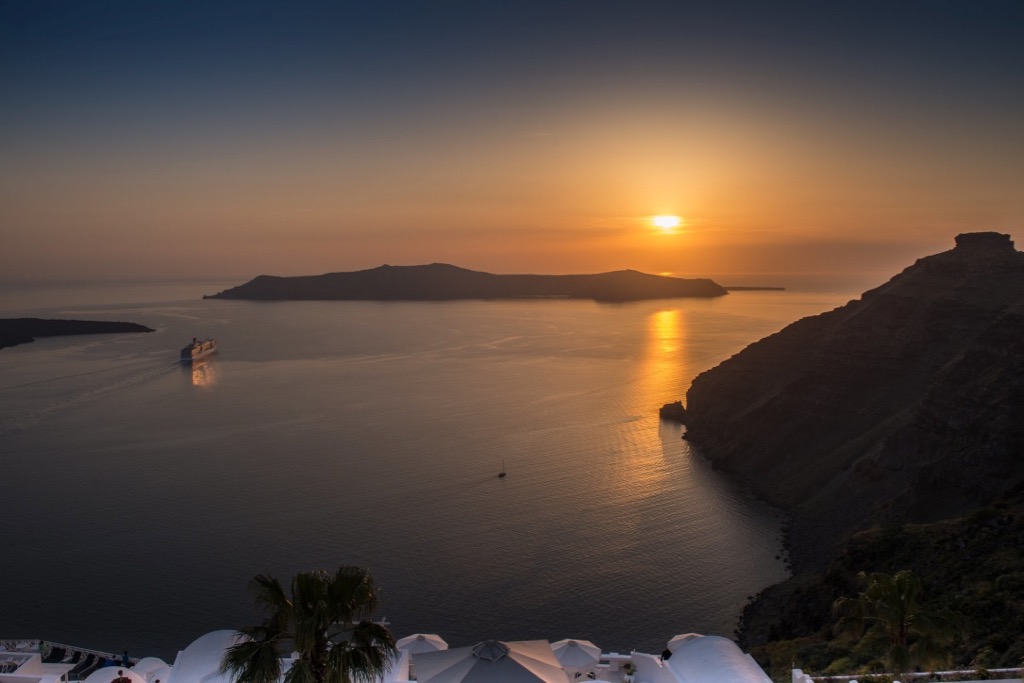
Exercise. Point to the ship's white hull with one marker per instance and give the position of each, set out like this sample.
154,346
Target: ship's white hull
198,349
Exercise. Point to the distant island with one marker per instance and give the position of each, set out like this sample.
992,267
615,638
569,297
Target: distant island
14,331
443,282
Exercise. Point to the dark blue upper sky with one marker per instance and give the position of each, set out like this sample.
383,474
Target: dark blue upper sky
335,95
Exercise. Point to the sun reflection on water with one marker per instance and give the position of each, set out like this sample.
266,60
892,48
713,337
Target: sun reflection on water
663,369
659,379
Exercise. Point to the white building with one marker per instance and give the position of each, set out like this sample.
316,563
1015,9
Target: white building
426,658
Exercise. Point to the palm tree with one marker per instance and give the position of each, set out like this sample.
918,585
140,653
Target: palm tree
890,607
325,621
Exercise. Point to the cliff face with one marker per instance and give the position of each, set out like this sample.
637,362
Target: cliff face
905,405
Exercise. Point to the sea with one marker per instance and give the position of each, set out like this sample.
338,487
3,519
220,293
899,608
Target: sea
139,496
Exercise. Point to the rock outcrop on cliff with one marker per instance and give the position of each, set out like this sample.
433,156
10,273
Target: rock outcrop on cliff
443,282
904,405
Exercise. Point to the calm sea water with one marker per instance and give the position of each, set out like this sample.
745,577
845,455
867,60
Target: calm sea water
140,496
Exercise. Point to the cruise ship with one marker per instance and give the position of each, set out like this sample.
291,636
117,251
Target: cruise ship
199,348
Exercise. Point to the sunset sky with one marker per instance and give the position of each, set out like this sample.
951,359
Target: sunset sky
229,139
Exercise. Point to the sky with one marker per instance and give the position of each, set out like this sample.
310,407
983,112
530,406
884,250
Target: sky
230,139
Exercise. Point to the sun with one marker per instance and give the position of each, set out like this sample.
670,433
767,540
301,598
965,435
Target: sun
667,224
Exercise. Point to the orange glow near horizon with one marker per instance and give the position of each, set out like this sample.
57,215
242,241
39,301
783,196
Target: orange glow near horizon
586,169
546,208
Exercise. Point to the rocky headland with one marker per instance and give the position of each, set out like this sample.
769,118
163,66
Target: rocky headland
443,282
887,429
14,331
903,406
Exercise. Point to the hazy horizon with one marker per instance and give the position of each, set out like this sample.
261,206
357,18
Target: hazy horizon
186,140
851,283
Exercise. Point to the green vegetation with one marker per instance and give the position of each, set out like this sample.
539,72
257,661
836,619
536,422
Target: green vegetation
888,616
319,622
972,567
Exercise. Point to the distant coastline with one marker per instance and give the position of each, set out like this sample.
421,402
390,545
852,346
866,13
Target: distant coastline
15,331
443,282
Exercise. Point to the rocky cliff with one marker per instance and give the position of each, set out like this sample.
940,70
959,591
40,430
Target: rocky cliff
904,405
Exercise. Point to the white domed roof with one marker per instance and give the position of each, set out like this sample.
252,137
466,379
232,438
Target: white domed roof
713,659
200,661
148,664
161,675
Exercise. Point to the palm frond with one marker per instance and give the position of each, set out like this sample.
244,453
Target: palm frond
354,594
313,613
253,661
892,605
367,634
269,595
301,672
318,620
366,657
851,615
264,632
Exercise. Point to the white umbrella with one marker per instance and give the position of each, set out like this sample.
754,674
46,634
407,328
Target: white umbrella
576,656
421,642
676,641
492,661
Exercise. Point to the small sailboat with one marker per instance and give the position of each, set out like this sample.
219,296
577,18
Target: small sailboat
501,475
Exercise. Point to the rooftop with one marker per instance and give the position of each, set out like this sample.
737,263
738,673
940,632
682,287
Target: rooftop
688,658
426,658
